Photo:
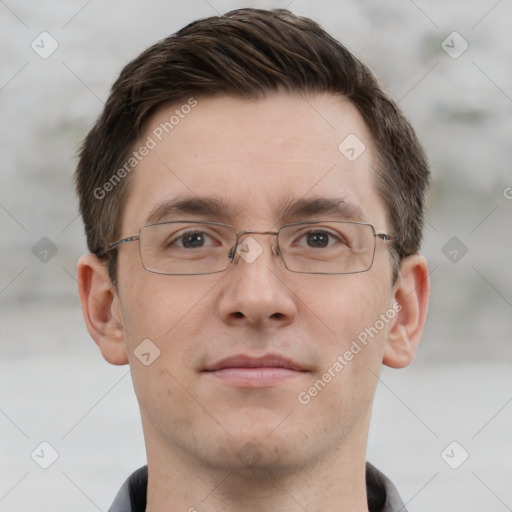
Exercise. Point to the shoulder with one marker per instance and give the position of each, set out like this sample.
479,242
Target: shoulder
132,495
382,494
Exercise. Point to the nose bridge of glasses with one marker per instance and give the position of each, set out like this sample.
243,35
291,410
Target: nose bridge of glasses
243,235
247,232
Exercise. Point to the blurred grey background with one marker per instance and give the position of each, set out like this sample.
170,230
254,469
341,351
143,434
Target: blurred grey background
447,63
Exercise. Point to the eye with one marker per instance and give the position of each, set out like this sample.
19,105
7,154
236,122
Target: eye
320,239
317,239
192,240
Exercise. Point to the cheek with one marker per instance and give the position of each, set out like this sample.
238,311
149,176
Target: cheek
172,312
342,306
169,311
341,391
154,304
351,334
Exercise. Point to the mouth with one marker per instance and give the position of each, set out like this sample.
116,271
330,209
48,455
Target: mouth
253,372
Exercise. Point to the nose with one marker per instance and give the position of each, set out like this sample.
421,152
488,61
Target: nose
254,292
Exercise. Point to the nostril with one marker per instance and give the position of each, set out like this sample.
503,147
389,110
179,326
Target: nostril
237,314
277,316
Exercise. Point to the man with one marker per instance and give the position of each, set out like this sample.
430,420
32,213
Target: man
253,204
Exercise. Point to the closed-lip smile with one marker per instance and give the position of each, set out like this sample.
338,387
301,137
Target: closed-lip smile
246,371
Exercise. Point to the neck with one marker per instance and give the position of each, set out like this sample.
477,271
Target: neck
335,482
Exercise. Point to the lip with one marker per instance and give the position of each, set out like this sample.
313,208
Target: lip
246,371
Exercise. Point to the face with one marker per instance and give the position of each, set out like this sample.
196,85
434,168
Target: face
259,165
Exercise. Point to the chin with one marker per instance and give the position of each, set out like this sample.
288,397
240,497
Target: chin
261,460
262,448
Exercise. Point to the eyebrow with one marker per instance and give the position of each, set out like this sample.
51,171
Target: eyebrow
339,208
287,211
195,206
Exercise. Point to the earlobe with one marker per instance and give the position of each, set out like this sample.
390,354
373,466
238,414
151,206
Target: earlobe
411,295
101,308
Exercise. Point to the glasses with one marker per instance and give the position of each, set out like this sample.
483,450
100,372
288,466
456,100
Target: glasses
195,248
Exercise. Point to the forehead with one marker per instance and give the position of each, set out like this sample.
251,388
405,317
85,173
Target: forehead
255,158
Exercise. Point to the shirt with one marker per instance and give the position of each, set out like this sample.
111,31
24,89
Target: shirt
382,494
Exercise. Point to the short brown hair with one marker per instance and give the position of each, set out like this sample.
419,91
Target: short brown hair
247,53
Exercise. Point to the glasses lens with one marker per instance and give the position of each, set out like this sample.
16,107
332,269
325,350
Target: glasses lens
327,247
182,248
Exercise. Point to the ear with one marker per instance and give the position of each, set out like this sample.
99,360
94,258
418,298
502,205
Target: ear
101,308
411,295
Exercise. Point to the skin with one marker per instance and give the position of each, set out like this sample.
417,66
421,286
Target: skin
255,155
